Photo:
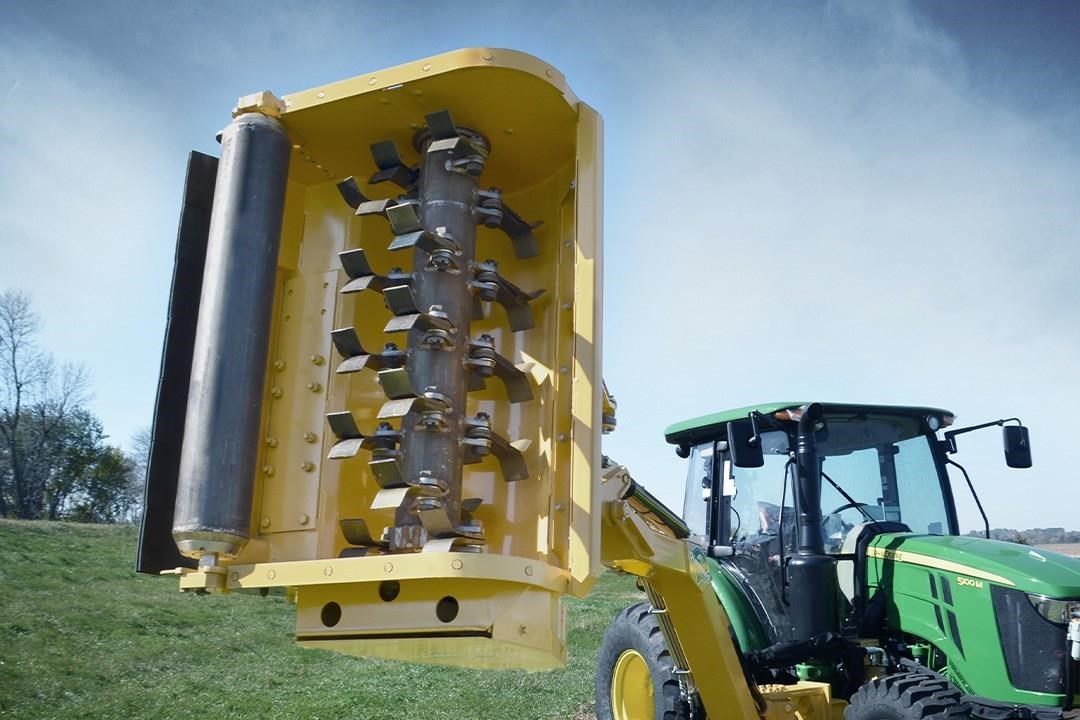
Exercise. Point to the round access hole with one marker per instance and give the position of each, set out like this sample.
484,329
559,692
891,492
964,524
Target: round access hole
389,590
331,614
447,609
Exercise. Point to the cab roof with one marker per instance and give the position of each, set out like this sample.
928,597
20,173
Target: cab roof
707,427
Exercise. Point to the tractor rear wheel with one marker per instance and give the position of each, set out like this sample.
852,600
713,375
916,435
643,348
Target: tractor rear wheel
634,678
906,696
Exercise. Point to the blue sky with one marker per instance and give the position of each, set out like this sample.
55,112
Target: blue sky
868,202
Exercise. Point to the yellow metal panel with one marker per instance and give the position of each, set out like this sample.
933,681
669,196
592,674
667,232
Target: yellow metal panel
545,159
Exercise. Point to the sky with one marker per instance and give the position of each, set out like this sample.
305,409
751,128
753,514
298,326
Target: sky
859,202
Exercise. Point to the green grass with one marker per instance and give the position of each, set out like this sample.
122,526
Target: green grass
83,636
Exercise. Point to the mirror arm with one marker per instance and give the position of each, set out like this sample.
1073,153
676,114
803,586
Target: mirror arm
950,435
971,486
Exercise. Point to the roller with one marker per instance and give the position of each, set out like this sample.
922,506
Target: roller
220,448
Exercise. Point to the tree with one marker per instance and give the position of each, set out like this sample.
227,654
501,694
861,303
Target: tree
104,494
39,415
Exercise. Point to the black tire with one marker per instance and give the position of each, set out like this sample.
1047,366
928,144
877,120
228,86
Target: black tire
907,696
636,629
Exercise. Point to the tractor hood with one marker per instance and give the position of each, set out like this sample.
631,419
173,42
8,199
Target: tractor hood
1032,570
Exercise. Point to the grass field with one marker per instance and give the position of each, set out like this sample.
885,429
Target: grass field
1072,549
82,636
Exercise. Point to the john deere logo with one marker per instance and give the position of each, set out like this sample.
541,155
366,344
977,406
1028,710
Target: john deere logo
701,568
969,582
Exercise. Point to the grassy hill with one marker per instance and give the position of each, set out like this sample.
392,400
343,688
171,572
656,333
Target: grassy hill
83,636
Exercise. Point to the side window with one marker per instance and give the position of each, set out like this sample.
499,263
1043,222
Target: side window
757,494
698,485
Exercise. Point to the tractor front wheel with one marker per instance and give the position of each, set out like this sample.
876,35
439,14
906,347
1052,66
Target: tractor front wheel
634,678
906,696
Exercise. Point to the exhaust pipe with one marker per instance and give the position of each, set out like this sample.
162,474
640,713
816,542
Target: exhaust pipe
811,572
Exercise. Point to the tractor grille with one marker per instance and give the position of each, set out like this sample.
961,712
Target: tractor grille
1034,647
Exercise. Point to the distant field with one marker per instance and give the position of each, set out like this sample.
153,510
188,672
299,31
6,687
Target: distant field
82,636
1065,548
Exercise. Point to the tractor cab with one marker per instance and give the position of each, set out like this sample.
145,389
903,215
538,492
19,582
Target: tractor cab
835,523
881,469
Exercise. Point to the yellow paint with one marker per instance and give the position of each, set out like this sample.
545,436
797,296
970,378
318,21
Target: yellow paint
546,159
936,563
632,693
802,701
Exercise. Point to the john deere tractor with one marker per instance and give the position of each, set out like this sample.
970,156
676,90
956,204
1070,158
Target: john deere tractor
833,545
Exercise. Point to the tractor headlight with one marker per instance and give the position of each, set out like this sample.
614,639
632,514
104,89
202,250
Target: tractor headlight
1058,612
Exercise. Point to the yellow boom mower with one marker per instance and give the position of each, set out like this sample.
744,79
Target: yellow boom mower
381,383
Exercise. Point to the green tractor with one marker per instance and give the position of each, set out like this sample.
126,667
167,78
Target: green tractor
833,545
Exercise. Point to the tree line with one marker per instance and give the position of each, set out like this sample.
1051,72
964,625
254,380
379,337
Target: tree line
55,461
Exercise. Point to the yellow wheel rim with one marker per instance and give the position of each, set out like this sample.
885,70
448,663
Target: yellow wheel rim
631,688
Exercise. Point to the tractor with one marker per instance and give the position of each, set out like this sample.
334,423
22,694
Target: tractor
833,545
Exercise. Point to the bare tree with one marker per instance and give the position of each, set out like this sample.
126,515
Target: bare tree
140,461
35,403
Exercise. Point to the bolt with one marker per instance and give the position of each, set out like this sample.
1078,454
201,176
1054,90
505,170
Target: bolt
307,466
268,470
522,630
317,359
528,570
388,568
303,519
314,387
566,306
564,370
271,441
457,564
279,365
276,392
559,507
561,437
234,576
310,437
265,522
271,574
328,571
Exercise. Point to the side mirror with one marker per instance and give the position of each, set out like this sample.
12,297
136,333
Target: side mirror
744,445
1017,446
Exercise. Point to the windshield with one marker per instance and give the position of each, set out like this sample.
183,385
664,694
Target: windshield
885,465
